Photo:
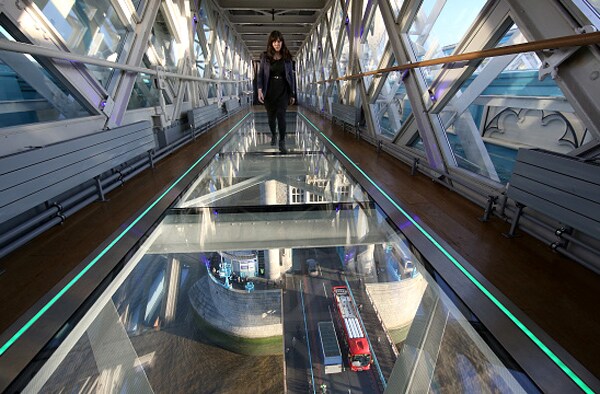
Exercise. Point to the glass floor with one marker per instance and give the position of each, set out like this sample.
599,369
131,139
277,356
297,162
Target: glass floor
227,293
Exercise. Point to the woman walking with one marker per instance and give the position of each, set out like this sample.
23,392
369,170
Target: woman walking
276,85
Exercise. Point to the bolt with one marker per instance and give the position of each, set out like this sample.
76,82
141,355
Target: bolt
594,75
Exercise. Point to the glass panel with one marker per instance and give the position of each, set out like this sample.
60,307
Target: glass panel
144,94
324,36
204,26
514,110
336,23
343,61
203,295
417,143
212,90
89,27
396,6
200,59
30,94
314,45
392,106
373,42
595,4
163,49
328,64
438,27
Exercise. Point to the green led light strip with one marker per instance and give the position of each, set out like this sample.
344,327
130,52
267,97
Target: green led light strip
54,299
478,284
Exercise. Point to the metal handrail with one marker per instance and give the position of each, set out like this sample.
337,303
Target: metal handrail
37,50
551,43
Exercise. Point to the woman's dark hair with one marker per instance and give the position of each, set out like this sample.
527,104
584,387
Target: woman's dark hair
277,36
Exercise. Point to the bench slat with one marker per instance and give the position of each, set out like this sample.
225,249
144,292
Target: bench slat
232,105
561,187
526,175
42,179
60,162
33,177
559,198
18,160
562,164
346,113
203,117
565,216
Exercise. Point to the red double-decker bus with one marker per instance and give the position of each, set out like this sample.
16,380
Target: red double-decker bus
359,352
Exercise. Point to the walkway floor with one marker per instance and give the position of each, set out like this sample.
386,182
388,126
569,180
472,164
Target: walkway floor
555,292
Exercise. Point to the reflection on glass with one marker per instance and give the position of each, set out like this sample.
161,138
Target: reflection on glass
163,51
212,90
438,26
31,94
344,55
89,27
595,4
200,59
392,107
343,63
327,64
206,290
336,22
144,94
372,41
514,110
396,6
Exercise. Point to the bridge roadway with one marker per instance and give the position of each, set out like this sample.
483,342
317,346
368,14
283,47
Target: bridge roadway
307,301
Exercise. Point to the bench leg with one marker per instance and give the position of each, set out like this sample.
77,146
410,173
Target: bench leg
99,189
515,222
151,158
489,208
415,165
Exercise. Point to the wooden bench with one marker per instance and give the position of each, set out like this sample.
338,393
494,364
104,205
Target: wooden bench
202,118
36,176
347,114
232,106
562,187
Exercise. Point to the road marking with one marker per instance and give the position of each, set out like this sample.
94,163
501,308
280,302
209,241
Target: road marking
325,290
312,376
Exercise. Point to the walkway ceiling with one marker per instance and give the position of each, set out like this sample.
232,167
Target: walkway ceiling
255,19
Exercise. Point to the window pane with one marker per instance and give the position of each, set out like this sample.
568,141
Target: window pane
514,110
392,107
396,5
343,61
89,27
30,94
438,27
162,51
373,42
336,23
594,4
144,94
328,64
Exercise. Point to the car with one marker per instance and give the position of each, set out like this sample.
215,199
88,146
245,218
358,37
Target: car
313,267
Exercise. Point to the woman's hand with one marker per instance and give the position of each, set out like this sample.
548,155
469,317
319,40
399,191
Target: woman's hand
261,98
292,100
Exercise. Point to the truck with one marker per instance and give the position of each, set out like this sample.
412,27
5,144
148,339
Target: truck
330,347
